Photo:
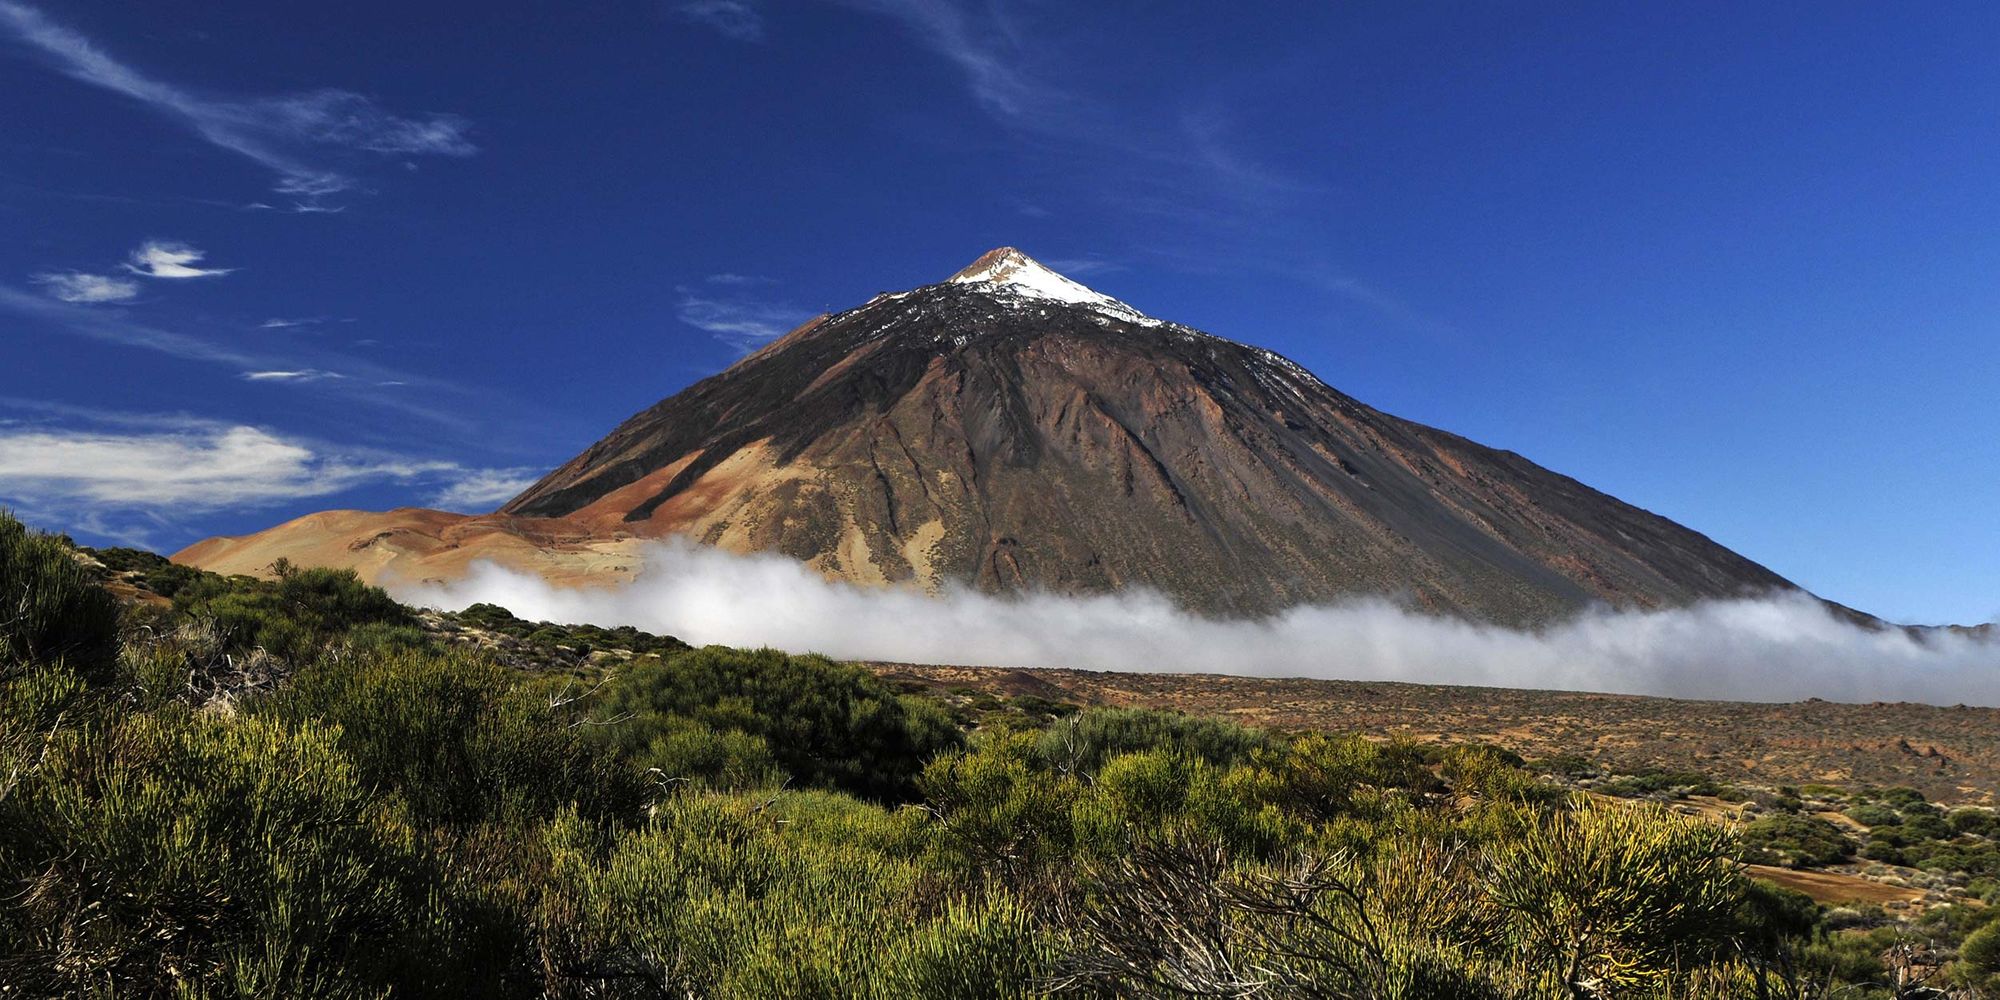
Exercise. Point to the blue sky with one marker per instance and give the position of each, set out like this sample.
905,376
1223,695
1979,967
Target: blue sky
1735,266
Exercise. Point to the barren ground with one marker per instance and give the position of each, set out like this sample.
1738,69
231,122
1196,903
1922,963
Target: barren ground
1950,754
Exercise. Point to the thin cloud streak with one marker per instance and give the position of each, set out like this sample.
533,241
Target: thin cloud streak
76,286
743,324
362,380
729,18
288,134
110,327
997,59
482,490
298,375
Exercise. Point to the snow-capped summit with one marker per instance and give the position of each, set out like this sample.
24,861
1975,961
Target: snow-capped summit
1014,273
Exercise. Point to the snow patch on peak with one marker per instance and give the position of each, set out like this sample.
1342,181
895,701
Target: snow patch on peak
1019,276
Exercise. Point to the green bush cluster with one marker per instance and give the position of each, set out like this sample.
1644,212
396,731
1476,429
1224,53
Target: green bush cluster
1797,841
393,815
580,639
1905,829
715,712
294,617
51,609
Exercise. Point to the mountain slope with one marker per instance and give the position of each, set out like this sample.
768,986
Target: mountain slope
1012,429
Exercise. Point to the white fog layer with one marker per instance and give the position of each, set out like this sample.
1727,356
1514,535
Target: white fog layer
1776,649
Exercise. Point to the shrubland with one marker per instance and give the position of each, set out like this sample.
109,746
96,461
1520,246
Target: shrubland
298,787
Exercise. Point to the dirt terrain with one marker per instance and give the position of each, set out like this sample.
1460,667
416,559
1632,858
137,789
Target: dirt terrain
1951,754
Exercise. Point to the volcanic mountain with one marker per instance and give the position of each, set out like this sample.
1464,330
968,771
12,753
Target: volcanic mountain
1010,429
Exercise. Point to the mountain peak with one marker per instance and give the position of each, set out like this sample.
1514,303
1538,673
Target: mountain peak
1008,270
996,264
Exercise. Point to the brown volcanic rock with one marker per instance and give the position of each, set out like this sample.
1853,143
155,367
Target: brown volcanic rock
1011,429
414,545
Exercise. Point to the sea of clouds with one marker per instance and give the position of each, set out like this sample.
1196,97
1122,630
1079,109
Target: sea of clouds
1782,648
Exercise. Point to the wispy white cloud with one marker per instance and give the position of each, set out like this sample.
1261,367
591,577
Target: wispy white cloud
730,18
358,377
110,327
481,490
298,208
100,470
296,375
300,137
171,259
1014,71
1080,266
279,323
743,323
728,278
981,42
187,470
76,286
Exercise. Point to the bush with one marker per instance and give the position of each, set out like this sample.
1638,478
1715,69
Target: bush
718,898
185,854
1874,815
1981,951
51,610
1619,895
294,617
1797,841
155,572
458,738
1083,743
1974,821
826,724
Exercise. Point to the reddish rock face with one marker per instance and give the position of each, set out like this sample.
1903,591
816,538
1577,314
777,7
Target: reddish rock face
1011,429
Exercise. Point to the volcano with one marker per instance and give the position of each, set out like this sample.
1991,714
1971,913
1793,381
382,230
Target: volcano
1011,430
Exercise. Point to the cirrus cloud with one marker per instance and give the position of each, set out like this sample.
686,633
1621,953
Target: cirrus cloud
76,286
171,259
308,139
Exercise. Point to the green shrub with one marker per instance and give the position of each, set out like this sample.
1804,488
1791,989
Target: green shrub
1657,782
1975,821
1483,772
458,738
181,853
826,724
1325,777
1618,895
51,609
998,811
1981,951
155,572
294,617
1797,841
1872,815
1086,741
683,750
718,898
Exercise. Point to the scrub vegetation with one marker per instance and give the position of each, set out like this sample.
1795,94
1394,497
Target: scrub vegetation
226,787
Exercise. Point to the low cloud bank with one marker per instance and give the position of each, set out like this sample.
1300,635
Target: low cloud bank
1776,649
